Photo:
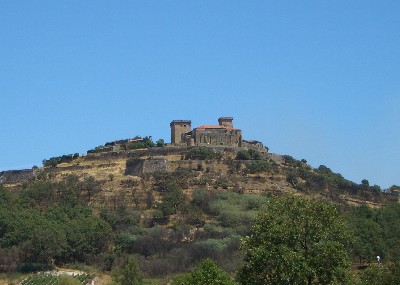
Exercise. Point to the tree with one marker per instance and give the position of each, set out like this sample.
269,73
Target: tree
172,200
296,241
250,154
160,143
47,242
86,236
91,186
381,275
130,274
206,273
365,183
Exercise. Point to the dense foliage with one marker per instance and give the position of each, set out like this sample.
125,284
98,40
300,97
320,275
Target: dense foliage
146,142
49,222
171,221
376,231
323,180
129,144
129,274
297,241
206,273
250,154
202,153
54,161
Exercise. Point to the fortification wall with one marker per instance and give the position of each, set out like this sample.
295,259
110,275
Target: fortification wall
155,164
66,168
136,166
275,157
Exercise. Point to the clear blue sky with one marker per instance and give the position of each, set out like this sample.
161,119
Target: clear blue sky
318,80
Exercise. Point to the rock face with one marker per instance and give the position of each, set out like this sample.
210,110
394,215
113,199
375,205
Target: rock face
16,176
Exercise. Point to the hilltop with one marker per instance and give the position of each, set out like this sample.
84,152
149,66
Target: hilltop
207,157
141,172
170,205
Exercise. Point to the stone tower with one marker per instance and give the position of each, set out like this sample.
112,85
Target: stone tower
226,122
179,129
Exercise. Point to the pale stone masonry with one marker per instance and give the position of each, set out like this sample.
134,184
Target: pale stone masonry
223,134
178,129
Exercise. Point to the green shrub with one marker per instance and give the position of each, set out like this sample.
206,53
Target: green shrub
250,154
201,153
54,161
258,166
145,143
206,273
289,160
34,267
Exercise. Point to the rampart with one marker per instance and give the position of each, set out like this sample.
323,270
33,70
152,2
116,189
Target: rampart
137,165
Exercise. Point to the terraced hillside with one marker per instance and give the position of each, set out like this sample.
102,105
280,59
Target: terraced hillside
137,174
169,206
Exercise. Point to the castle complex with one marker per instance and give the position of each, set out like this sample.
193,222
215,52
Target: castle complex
223,134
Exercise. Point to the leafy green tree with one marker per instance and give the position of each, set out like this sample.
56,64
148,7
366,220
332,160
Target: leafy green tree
146,142
172,200
381,275
160,143
91,186
258,166
201,153
250,154
129,274
47,242
365,183
206,273
243,155
296,241
86,236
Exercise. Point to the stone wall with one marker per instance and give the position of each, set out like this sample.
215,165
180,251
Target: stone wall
178,129
217,137
136,166
152,152
155,164
275,157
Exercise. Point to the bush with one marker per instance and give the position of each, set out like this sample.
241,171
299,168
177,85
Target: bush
34,267
160,143
201,153
220,183
129,274
250,154
291,177
54,161
145,143
173,200
206,272
124,242
259,166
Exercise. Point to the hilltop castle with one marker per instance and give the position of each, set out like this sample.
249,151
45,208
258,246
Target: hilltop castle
223,134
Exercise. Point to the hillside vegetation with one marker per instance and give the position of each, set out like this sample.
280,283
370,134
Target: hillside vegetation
172,207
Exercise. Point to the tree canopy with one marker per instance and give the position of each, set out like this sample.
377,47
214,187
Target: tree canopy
206,273
129,274
296,241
